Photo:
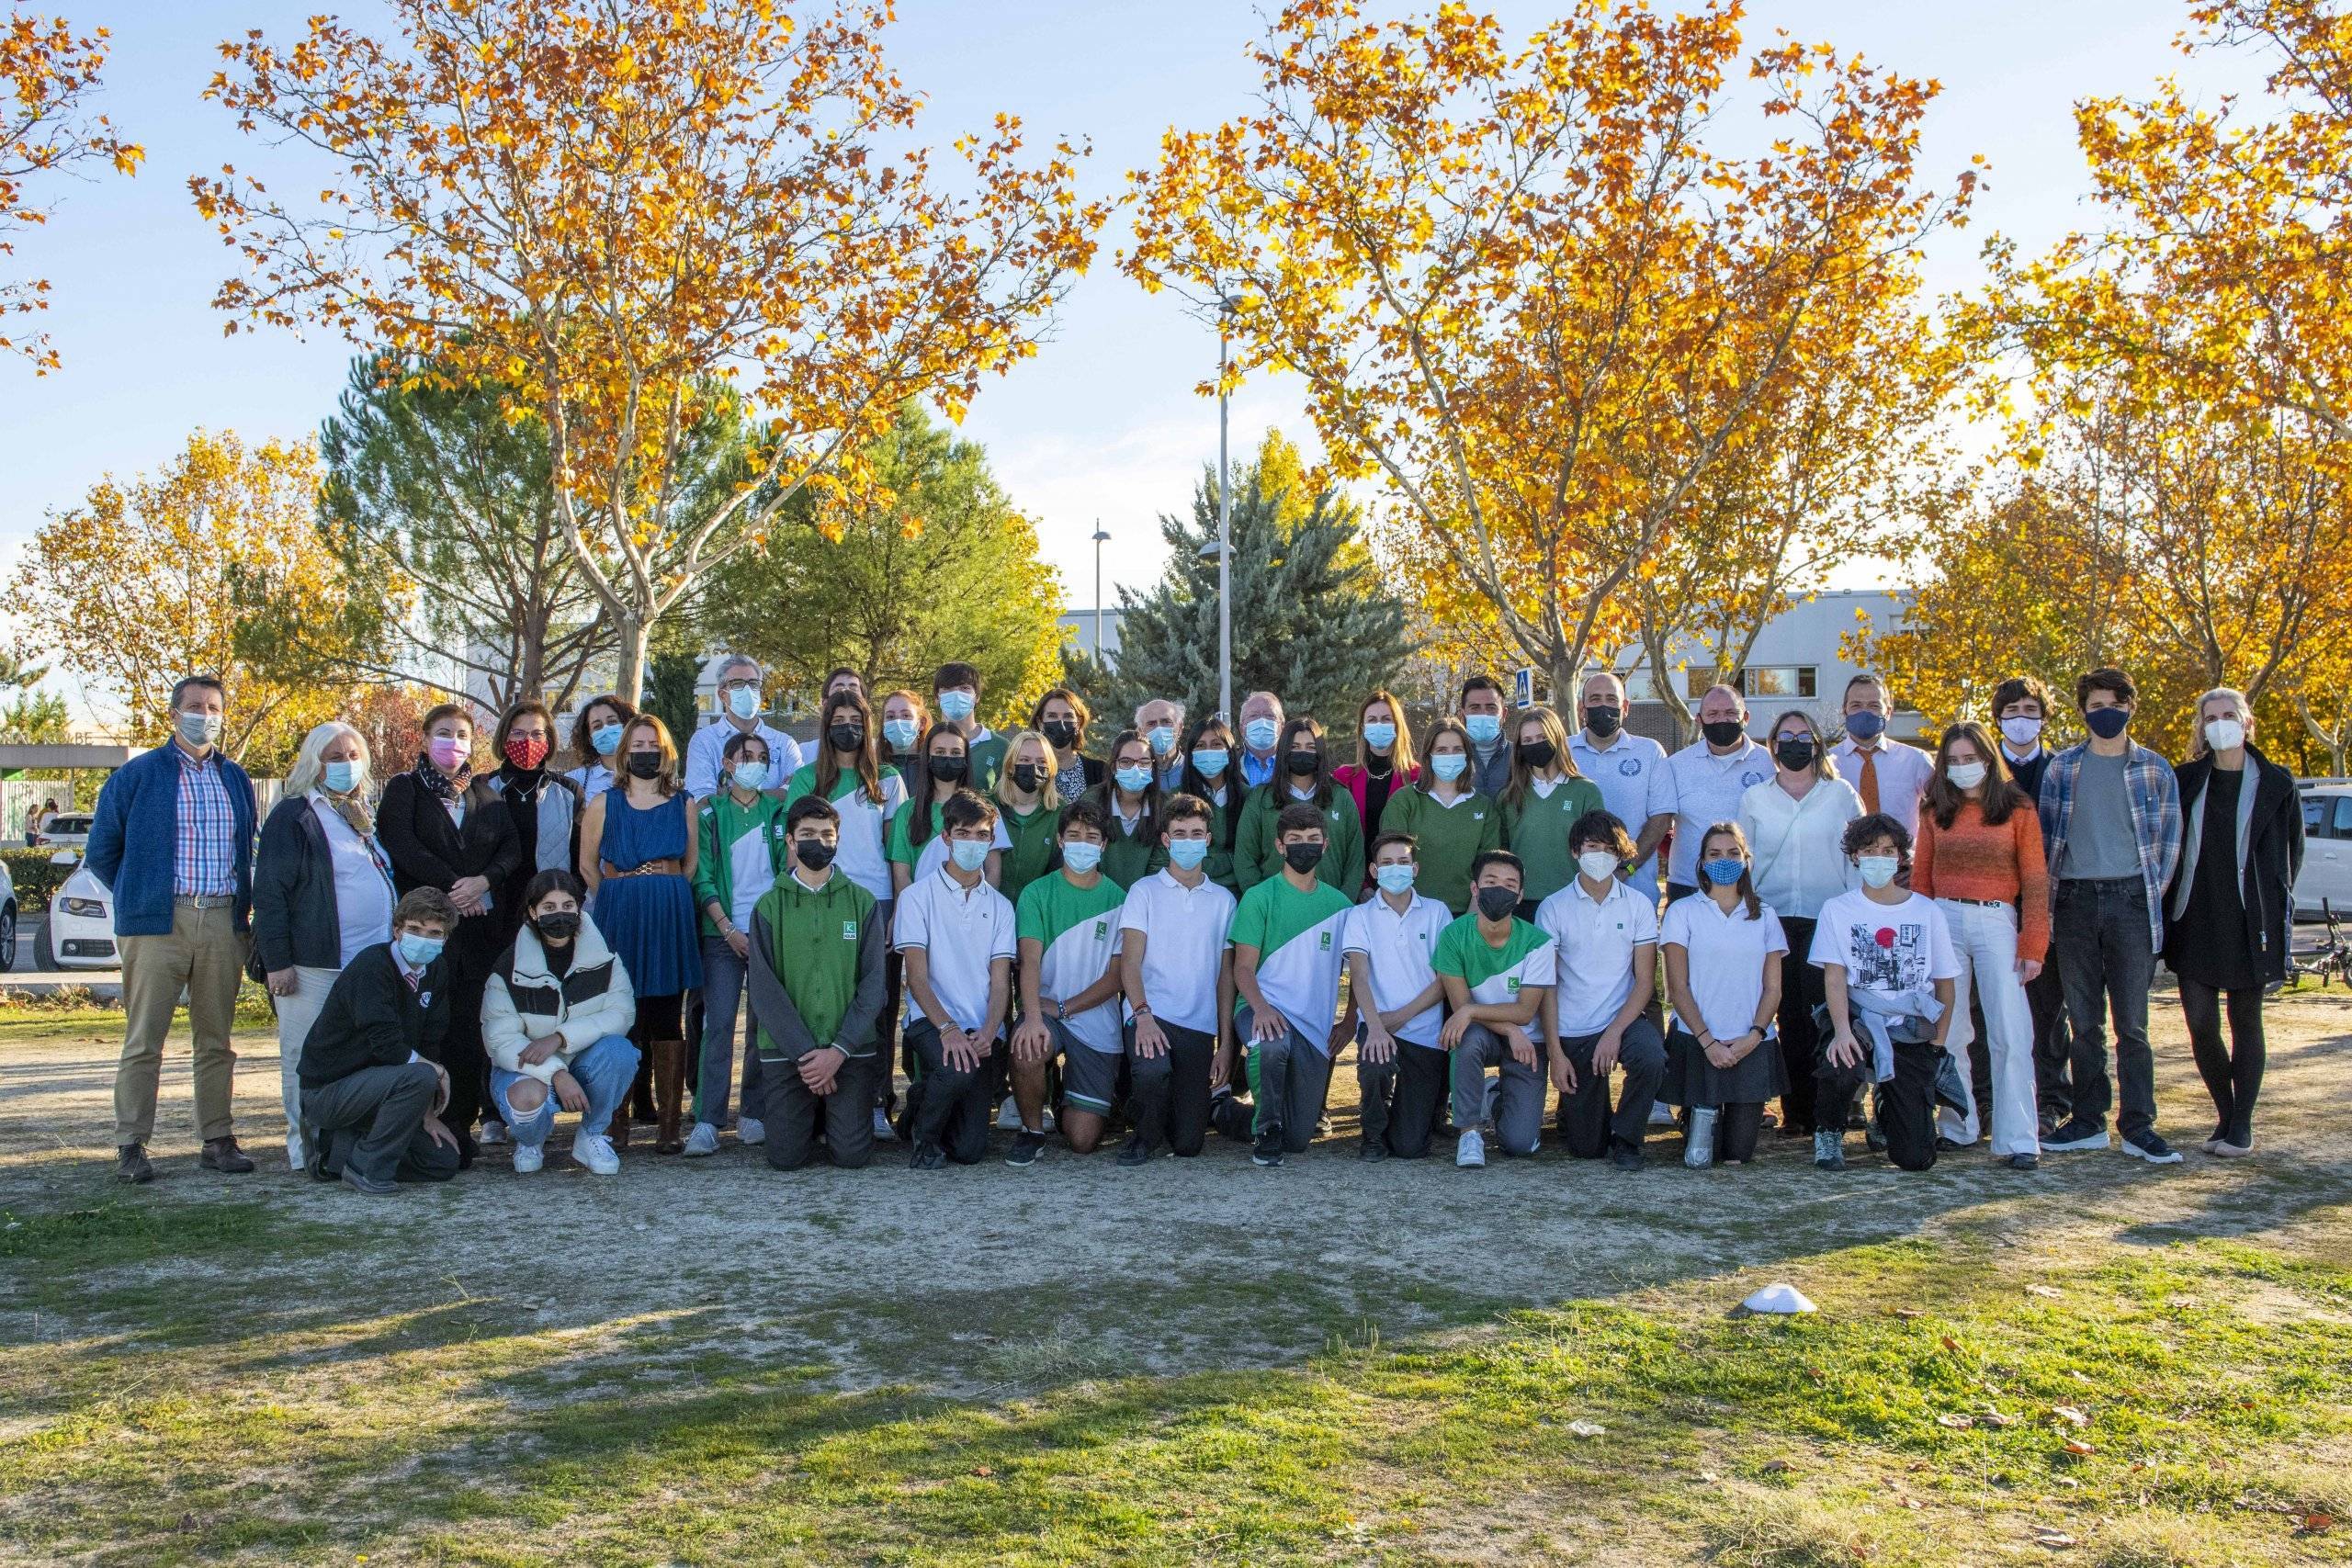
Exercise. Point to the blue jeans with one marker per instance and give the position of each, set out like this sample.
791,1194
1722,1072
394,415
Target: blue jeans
604,1071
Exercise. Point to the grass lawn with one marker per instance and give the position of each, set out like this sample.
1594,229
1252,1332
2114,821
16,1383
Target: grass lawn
711,1362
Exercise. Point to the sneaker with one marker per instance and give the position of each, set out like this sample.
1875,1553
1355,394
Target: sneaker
131,1165
2074,1136
1026,1147
493,1133
2046,1123
1828,1151
1624,1156
1661,1113
2025,1162
1134,1151
751,1131
2148,1146
927,1156
1325,1126
1947,1146
223,1155
1874,1138
528,1157
1375,1150
368,1184
595,1151
1699,1152
702,1141
883,1132
1268,1150
1470,1151
1008,1116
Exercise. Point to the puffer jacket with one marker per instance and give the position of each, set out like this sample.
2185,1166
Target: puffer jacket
526,1000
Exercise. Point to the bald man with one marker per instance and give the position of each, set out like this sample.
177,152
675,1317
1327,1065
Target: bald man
1710,775
1636,783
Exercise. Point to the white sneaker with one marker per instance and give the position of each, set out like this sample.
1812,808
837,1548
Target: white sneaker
596,1151
1008,1116
703,1140
493,1133
883,1132
1470,1151
528,1157
751,1131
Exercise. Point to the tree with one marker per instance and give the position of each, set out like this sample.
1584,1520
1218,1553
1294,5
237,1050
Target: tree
947,571
35,718
149,581
390,716
1311,620
1522,289
598,208
47,129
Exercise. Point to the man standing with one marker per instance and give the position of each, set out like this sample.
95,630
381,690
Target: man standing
1710,775
2111,814
172,842
1636,785
1286,937
1162,724
1482,715
2021,706
1887,774
1261,726
956,691
741,706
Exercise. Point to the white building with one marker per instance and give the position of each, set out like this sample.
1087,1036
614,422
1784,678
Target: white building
1079,631
1796,662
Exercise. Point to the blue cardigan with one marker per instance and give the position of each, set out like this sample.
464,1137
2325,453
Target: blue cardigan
136,830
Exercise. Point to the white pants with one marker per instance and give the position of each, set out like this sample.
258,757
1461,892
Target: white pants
295,1014
1985,939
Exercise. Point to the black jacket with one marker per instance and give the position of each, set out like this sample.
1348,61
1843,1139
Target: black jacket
2273,854
296,921
427,850
371,1018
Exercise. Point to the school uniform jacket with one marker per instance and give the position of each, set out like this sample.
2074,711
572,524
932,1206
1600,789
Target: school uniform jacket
373,1019
526,999
816,973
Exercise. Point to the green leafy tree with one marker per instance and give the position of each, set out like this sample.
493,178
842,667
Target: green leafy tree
35,718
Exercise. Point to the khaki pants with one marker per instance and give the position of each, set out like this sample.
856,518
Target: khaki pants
205,954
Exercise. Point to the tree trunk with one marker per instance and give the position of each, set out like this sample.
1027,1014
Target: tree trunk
530,666
629,683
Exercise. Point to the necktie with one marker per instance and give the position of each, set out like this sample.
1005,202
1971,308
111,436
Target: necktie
412,976
1869,790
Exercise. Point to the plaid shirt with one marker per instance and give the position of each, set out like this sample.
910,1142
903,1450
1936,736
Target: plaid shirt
206,863
2153,791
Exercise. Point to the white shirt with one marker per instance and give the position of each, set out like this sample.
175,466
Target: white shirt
704,752
1724,957
1635,785
1596,942
863,854
1903,771
1707,790
363,888
1184,940
1799,846
755,869
1884,947
1396,948
594,780
961,931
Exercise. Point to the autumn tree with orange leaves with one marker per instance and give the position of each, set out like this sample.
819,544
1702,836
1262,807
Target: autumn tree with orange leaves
1525,291
595,206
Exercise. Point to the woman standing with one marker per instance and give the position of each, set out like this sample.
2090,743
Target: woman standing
637,856
1795,823
1724,957
323,890
739,853
1980,858
1061,717
441,827
2233,905
596,742
1029,807
1384,762
1303,764
1131,798
1543,800
1207,775
917,838
545,806
1452,824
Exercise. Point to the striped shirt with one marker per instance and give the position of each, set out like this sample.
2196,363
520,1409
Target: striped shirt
205,863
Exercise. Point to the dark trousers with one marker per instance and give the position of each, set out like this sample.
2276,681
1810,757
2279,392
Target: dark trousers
1736,1131
2107,964
1800,992
1171,1091
1907,1103
2232,1074
1290,1077
472,954
2045,998
949,1106
373,1121
792,1114
894,986
1402,1097
1584,1117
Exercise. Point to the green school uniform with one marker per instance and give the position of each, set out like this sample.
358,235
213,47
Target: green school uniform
1446,840
1034,845
720,822
821,946
987,762
1127,860
1257,857
1536,831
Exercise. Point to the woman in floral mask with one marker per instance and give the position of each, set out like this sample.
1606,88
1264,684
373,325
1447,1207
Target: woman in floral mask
545,806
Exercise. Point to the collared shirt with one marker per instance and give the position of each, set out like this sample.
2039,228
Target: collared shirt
1901,772
205,863
707,749
2153,792
363,883
1184,940
1797,848
962,932
1257,769
1723,956
1596,939
1635,785
1396,949
1707,790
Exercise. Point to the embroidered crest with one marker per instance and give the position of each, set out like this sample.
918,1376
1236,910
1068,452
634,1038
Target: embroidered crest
849,931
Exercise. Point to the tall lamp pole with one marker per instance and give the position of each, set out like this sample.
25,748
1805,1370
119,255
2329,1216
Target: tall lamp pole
1100,539
1223,526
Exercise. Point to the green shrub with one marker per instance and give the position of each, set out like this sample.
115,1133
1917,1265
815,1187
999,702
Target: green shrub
36,876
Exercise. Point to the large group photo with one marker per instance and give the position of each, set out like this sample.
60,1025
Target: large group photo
1566,787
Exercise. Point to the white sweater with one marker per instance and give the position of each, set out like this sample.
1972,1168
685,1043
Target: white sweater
525,1001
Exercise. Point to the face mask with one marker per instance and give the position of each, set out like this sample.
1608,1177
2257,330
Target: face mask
845,737
814,854
1793,752
525,752
1162,740
1082,857
750,776
743,701
418,952
2225,734
900,733
1539,754
1877,870
1865,725
644,765
1028,776
1303,857
198,729
1965,775
2107,723
1398,879
956,704
1186,854
1601,721
1598,865
606,738
1299,764
447,751
1496,902
947,770
341,778
1261,734
1448,765
2020,731
969,854
1135,781
1723,731
562,925
1062,733
1211,761
1380,737
1484,727
1723,873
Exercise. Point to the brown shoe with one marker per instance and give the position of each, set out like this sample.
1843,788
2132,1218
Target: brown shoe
223,1155
619,1129
668,1094
130,1164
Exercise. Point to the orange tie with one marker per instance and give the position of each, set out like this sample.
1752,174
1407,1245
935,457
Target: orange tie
1869,780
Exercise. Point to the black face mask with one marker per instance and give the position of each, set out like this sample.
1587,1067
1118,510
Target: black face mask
1303,857
560,926
1496,902
1793,752
1062,733
1029,776
947,770
1602,721
814,853
846,737
1299,764
645,764
1539,754
1723,731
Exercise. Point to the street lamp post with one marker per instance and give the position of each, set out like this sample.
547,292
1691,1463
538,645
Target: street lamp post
1100,538
1223,526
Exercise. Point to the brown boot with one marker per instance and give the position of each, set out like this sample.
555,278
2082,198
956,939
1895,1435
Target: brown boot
668,1094
618,1131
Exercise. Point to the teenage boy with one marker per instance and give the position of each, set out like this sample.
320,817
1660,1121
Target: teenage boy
1887,774
817,949
1176,970
955,692
1636,785
2021,709
1068,927
372,1094
1387,942
956,935
1606,930
1482,716
1888,969
1497,970
2110,817
1285,937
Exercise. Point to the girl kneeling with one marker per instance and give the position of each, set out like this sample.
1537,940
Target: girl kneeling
1722,971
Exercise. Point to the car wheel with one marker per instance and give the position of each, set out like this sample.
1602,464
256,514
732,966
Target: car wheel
7,939
44,950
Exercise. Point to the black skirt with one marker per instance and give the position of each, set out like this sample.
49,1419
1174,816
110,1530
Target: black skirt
1693,1080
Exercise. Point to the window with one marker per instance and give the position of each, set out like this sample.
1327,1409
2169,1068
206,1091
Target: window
2315,817
1761,679
1697,678
2343,816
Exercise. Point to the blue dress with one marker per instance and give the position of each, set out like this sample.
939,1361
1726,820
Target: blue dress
649,921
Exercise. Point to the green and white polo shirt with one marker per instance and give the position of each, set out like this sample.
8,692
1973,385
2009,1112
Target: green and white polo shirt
1496,975
1079,929
1297,936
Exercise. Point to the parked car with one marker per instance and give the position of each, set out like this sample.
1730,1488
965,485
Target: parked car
2327,848
78,932
7,919
68,829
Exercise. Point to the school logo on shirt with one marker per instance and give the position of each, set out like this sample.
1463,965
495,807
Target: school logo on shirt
1751,776
1630,766
849,931
1510,984
425,1001
1477,816
1102,930
1323,941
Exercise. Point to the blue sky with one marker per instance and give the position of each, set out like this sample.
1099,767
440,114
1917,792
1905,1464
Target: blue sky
1103,422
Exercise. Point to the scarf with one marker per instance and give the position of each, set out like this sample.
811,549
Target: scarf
442,786
351,809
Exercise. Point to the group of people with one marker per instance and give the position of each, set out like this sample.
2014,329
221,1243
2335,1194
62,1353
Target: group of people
928,928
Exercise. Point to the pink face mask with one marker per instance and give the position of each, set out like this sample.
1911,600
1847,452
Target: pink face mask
447,751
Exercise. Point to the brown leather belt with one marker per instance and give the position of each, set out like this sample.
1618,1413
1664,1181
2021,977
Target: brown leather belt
654,868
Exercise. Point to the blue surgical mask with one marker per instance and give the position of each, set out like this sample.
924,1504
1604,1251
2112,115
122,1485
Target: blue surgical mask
1162,738
1380,737
969,854
1186,854
1865,725
900,733
1448,765
1261,734
743,701
1723,873
956,704
1211,761
1485,729
1135,781
1082,857
1877,870
419,951
606,739
341,778
750,776
1394,878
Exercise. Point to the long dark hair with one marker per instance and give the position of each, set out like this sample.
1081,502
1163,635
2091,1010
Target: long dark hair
1944,798
1107,792
1192,782
828,766
1278,787
1746,884
583,749
918,826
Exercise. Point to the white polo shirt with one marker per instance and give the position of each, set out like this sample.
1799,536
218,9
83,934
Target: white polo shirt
704,752
1723,956
1707,789
1635,785
1396,948
1184,942
961,931
1596,943
1902,772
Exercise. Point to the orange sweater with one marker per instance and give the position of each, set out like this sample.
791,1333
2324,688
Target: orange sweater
1972,859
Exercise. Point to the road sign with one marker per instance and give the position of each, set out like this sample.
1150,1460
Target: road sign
1522,687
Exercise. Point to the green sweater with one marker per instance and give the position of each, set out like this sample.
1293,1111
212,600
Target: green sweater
1536,831
1446,840
816,971
719,823
1257,856
1128,860
987,762
1035,842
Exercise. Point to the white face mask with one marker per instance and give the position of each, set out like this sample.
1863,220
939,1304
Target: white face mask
1877,870
2018,730
1965,775
1598,865
2225,734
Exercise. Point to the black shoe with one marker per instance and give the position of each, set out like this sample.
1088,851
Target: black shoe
1375,1150
1026,1146
927,1156
2025,1162
1268,1150
1134,1151
131,1165
1624,1156
2075,1136
223,1155
368,1184
1875,1139
2148,1146
1947,1146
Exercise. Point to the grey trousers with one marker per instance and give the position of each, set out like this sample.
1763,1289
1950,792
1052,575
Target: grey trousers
723,978
1290,1077
373,1121
1518,1106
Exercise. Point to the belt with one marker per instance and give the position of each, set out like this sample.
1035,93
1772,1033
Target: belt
2103,882
205,900
654,868
1980,903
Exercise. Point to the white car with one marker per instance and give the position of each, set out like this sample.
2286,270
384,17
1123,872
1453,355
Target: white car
79,931
66,830
7,919
2327,848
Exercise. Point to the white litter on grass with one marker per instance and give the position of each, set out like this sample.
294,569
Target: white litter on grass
1781,1299
1587,1428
